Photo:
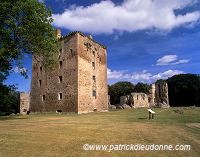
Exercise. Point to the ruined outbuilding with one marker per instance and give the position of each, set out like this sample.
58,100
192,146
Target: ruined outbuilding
135,100
158,97
79,83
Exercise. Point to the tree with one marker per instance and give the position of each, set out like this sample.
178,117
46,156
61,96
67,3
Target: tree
141,88
184,90
25,27
119,89
9,99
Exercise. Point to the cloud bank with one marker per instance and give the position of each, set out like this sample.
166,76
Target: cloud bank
131,15
143,76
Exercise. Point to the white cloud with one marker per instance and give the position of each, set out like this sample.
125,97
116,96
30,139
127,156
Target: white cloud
143,76
166,60
18,70
115,74
169,60
166,74
131,15
181,61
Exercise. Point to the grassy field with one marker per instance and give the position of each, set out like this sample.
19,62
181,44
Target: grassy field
64,135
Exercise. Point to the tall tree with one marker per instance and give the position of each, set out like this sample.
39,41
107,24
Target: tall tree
184,90
25,27
119,89
141,88
9,99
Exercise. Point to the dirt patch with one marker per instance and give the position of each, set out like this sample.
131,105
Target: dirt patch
194,124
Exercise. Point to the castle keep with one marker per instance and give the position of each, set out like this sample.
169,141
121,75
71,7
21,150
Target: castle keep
79,83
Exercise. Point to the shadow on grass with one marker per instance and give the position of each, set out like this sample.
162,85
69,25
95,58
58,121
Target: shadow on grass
11,118
142,118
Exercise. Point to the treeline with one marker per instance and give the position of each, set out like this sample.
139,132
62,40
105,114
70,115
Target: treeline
184,90
9,100
124,88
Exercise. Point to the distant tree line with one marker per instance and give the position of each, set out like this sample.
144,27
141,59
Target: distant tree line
124,88
184,90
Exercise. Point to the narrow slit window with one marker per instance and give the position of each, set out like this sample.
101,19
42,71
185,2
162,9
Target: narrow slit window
93,78
43,98
60,51
93,53
60,79
40,83
93,65
41,69
60,64
60,96
94,93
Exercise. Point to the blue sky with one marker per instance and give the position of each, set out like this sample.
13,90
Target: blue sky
147,39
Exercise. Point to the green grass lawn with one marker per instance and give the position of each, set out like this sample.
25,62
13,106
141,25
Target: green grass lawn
64,135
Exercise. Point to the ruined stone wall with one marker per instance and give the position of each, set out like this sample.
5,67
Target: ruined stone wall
24,103
125,100
135,100
161,94
92,76
58,89
152,99
138,100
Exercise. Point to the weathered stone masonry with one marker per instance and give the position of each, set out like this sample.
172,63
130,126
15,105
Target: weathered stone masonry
158,97
24,103
79,83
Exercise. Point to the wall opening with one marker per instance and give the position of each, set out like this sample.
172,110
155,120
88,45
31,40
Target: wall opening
60,96
43,97
93,53
93,78
60,64
60,79
40,83
93,65
58,111
94,94
41,69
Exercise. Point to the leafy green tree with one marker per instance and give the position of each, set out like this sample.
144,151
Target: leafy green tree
119,89
142,88
9,99
25,27
184,90
160,80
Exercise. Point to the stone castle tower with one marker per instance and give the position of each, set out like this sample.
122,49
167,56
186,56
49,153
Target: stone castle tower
79,83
